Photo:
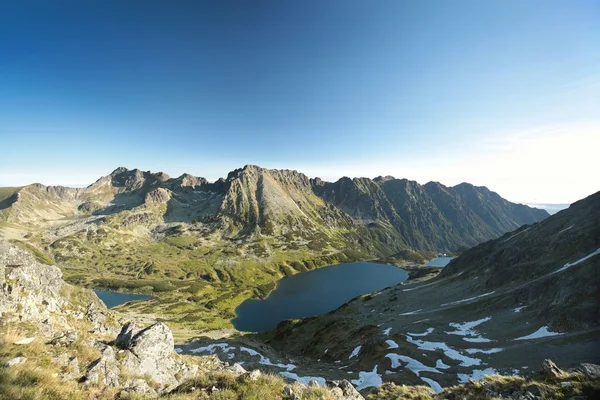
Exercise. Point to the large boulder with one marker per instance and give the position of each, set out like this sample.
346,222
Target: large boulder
35,292
128,331
105,370
344,390
29,290
551,369
156,341
150,352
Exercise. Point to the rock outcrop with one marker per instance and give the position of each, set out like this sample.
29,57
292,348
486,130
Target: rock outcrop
35,292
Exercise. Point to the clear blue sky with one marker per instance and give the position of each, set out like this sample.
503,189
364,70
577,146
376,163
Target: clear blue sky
490,92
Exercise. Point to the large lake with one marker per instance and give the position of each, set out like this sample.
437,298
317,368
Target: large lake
113,299
314,293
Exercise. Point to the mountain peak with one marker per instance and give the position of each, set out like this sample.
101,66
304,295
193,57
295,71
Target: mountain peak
118,171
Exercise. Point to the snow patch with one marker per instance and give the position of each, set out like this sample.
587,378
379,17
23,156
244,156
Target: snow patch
440,365
265,361
386,332
569,265
391,344
566,229
415,366
518,309
411,312
212,348
433,384
484,351
477,340
355,352
476,374
540,333
427,332
465,361
466,328
303,379
469,299
367,379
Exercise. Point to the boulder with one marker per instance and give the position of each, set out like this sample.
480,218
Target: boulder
66,339
238,369
589,370
15,361
138,387
156,341
551,369
72,368
105,370
150,353
128,331
343,390
253,375
25,341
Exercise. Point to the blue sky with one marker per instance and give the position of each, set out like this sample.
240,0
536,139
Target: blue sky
504,94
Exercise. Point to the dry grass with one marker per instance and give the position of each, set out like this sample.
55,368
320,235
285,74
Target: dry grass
390,391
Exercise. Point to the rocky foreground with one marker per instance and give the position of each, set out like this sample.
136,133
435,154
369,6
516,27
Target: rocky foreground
60,342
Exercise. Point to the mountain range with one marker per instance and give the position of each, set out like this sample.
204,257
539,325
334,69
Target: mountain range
215,244
385,212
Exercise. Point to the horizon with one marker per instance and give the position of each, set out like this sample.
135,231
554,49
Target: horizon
497,94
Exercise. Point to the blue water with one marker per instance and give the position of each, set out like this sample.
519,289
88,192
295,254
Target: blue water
113,299
439,262
314,293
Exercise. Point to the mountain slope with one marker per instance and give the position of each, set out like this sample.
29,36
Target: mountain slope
503,306
142,231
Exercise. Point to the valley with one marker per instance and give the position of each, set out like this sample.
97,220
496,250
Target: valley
210,262
201,248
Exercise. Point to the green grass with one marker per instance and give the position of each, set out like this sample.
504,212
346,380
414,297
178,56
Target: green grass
39,255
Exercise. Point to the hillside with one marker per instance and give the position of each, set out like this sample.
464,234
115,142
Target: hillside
502,307
202,247
59,341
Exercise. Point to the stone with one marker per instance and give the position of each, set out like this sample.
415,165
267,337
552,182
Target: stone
549,368
15,361
343,389
589,370
155,341
150,352
25,341
238,369
288,391
254,375
128,331
66,339
73,371
139,387
104,370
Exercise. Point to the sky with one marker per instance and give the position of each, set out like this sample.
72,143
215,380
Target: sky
498,93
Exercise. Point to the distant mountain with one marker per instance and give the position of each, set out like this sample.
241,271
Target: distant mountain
502,306
552,208
380,215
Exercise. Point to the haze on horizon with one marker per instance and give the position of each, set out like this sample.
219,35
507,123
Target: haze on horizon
503,94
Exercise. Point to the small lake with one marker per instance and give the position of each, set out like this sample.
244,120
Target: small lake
439,262
314,293
113,299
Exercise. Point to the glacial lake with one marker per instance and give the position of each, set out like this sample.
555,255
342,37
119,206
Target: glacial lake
439,262
113,299
314,293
